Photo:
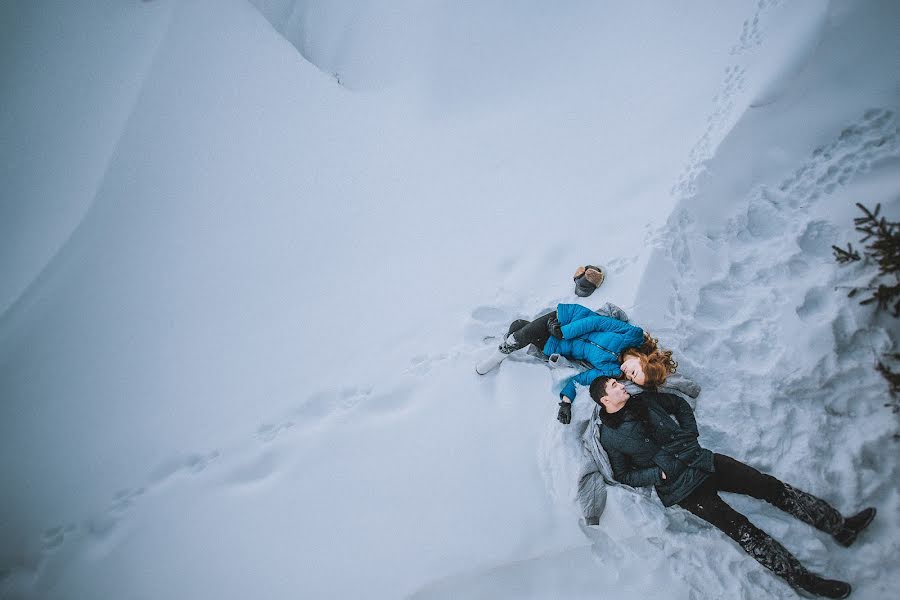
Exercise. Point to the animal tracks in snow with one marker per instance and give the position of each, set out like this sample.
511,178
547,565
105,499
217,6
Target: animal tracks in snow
856,149
740,290
267,433
716,125
752,35
54,537
95,532
777,217
724,102
245,463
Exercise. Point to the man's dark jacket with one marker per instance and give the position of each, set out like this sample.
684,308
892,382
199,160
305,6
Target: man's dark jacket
643,446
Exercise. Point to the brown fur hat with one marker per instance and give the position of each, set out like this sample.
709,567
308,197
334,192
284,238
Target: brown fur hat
587,279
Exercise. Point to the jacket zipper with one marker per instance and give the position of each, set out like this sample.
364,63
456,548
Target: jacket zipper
610,352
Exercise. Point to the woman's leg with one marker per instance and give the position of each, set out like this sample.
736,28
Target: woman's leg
520,334
516,325
535,332
734,476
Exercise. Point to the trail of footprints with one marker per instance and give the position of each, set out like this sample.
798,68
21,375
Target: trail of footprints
732,317
733,83
751,33
246,463
724,103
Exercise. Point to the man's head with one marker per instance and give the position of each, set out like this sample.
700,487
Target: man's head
609,393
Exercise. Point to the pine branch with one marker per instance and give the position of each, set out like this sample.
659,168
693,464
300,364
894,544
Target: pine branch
846,256
881,244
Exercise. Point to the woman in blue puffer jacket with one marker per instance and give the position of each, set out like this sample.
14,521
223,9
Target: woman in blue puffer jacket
612,348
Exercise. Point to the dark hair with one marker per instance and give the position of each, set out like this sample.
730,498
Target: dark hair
598,388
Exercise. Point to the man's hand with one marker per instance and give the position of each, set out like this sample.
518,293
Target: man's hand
564,415
554,328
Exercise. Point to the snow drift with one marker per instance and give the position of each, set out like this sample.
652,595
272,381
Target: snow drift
250,266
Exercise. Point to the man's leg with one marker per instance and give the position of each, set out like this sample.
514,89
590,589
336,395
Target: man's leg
706,504
734,476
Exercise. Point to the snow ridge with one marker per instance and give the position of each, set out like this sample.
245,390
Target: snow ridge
726,103
748,300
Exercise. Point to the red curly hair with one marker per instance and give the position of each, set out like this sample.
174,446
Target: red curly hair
657,364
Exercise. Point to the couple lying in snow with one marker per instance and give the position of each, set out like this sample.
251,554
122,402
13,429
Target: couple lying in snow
643,433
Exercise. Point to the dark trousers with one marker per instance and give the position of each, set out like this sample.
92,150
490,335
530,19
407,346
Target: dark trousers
736,477
531,332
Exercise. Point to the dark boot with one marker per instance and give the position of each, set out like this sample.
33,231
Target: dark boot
770,554
809,509
516,325
826,588
775,557
853,525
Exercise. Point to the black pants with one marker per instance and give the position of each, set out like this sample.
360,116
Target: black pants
531,332
736,477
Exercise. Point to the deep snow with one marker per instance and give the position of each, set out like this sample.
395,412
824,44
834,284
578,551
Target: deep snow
246,278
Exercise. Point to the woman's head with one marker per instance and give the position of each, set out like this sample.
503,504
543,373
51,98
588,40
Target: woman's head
634,367
648,370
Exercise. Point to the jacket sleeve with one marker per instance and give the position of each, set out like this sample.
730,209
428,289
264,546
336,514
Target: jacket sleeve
625,473
567,313
634,335
585,378
678,407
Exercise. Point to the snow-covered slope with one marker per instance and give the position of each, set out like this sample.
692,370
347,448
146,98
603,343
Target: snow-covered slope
241,364
748,293
66,98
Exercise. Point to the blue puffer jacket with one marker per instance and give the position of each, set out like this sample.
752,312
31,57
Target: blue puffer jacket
593,338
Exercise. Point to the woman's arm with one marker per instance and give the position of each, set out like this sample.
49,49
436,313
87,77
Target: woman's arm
634,335
585,378
567,313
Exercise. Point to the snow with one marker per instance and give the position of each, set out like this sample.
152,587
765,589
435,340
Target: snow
251,251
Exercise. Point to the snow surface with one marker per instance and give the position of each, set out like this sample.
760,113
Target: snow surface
250,253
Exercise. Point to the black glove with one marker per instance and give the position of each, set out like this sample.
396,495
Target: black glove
564,415
554,328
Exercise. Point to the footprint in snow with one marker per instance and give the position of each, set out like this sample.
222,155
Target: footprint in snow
267,433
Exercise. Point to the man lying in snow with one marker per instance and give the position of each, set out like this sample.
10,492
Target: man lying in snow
646,446
596,472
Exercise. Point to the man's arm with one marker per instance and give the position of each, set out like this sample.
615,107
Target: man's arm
678,407
625,473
